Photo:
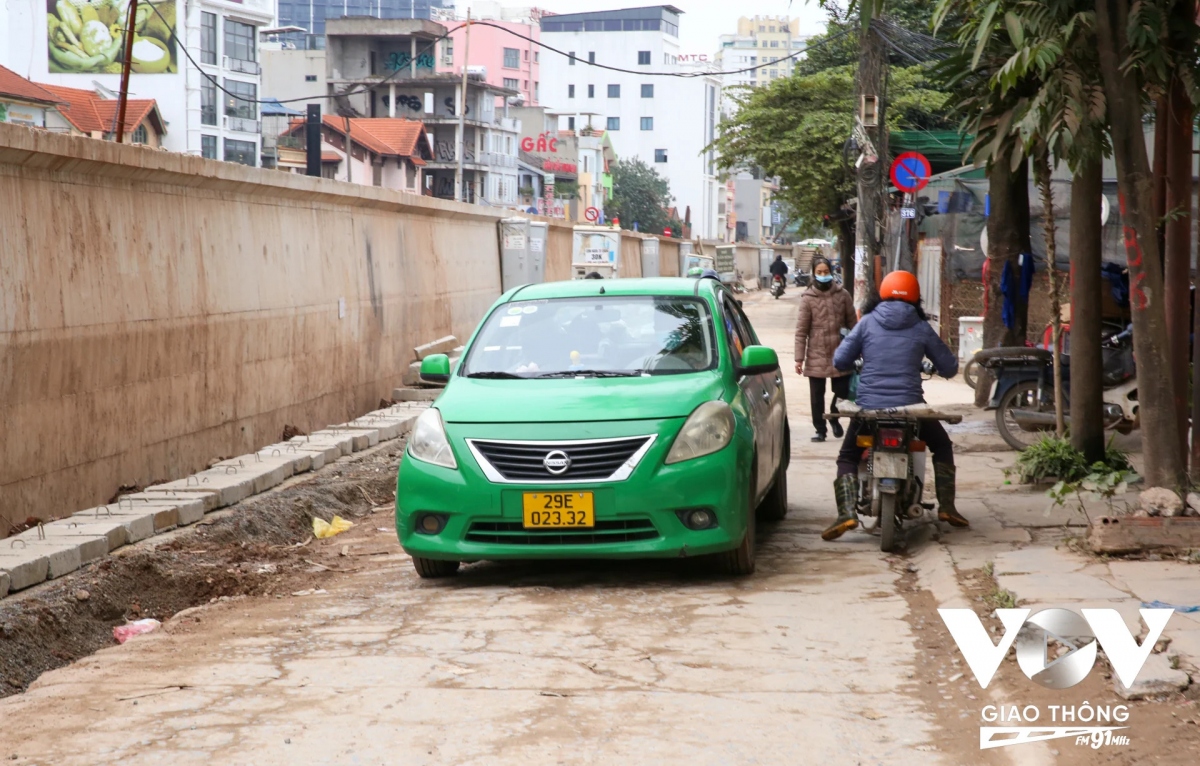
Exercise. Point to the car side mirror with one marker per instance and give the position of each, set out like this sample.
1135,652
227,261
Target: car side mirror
758,360
435,368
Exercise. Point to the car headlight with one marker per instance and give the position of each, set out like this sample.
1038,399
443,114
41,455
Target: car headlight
708,429
428,441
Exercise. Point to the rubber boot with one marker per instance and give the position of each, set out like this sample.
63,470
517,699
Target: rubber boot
845,489
944,477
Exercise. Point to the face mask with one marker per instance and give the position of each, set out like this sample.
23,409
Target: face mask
824,278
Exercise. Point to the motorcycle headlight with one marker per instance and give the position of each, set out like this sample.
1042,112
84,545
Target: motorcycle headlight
708,429
428,441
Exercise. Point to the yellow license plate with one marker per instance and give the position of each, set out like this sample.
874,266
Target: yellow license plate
558,510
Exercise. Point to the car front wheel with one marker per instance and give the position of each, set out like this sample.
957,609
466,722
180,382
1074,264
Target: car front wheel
740,561
774,505
434,568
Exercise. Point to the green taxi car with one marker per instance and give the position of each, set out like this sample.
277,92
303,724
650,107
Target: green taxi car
630,418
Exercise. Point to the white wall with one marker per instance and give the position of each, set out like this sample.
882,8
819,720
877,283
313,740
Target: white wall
678,108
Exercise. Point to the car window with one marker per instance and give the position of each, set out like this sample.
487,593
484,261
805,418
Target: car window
735,332
640,334
744,321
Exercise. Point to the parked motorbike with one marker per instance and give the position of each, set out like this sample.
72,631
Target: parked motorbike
778,285
892,472
1023,388
802,279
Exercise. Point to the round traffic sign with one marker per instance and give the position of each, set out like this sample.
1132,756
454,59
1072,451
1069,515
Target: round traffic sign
910,172
592,214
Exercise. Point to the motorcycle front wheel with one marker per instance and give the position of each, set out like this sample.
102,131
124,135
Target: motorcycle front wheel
887,523
1022,396
971,374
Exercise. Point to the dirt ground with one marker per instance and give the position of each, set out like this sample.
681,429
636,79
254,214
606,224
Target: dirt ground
261,547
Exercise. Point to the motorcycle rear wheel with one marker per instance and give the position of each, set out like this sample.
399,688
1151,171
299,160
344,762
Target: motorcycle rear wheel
970,374
887,523
1022,396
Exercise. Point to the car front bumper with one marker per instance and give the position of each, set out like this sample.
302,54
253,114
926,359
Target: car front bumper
635,518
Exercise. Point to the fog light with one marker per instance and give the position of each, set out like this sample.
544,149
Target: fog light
697,518
431,523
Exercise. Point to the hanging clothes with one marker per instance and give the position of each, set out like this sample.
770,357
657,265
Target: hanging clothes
1016,288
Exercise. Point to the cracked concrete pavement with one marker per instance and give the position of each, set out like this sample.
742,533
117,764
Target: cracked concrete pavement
819,658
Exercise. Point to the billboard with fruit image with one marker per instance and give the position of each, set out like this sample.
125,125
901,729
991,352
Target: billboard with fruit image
88,36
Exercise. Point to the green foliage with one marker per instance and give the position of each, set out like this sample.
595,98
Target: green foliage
1050,458
795,127
1103,483
641,196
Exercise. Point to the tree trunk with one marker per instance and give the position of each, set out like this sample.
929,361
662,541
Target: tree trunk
1004,248
1160,444
1048,229
1178,255
870,82
1087,365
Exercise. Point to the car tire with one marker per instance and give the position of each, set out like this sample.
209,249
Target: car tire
739,562
774,505
434,568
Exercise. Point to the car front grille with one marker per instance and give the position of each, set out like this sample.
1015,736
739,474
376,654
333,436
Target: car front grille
590,460
514,533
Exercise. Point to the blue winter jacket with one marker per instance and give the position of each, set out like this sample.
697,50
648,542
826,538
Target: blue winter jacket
892,341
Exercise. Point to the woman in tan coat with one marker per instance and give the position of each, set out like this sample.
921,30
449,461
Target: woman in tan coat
825,309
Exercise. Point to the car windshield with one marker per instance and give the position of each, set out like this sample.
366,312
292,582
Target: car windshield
594,336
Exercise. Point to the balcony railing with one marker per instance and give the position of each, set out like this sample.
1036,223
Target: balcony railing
242,124
238,65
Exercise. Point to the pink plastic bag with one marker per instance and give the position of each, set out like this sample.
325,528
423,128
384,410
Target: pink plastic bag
136,628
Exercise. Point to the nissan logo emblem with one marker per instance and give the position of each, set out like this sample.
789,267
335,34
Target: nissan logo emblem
556,462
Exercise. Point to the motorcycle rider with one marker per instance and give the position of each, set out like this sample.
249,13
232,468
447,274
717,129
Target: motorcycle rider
893,338
779,269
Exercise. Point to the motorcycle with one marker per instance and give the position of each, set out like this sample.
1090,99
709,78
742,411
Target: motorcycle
892,472
801,279
1023,388
778,285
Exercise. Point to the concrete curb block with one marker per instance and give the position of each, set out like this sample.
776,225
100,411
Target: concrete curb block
63,546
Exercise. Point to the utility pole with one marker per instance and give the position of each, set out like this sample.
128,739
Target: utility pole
127,60
459,177
870,84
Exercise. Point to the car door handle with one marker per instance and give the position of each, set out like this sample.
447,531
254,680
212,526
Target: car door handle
778,381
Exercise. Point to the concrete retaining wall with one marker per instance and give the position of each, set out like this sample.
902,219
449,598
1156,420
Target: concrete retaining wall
159,310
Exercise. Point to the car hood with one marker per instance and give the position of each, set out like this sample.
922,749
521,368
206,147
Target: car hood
468,400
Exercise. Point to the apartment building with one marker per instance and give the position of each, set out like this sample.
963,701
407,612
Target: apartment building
646,112
761,41
209,107
305,20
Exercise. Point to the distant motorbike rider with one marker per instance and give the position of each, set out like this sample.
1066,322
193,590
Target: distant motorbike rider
893,338
779,268
710,274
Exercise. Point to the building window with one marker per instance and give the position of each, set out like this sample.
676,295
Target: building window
512,58
448,51
591,91
208,38
570,91
537,91
535,57
771,28
310,78
241,152
644,58
526,52
762,27
208,147
614,91
614,123
208,103
511,83
240,98
591,57
239,41
774,73
570,123
774,43
525,85
139,135
660,155
570,58
647,123
648,90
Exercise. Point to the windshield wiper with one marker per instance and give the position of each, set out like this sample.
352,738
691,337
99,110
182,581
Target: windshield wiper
495,375
591,374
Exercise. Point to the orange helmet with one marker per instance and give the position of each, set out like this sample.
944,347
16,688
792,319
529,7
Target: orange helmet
900,285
